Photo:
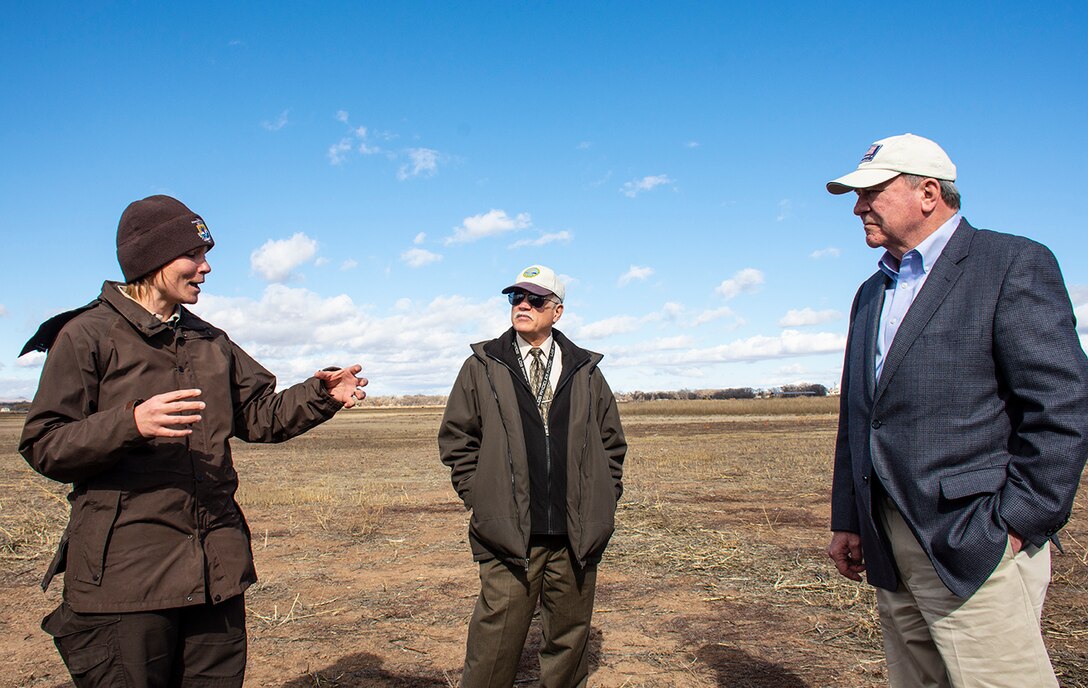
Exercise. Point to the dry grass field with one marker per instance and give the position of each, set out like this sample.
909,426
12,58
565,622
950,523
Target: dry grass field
716,576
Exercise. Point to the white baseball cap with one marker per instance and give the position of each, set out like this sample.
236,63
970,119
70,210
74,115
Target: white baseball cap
539,280
895,155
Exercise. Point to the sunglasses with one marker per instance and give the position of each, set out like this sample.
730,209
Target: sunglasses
536,301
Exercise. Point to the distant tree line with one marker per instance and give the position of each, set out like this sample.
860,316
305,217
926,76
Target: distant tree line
802,389
405,400
730,393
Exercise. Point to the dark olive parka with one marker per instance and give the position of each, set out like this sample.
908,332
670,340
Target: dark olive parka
482,441
154,524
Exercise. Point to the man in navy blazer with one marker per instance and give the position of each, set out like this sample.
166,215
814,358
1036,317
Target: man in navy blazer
963,428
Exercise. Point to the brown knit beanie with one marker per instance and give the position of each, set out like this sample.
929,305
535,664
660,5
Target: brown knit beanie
154,231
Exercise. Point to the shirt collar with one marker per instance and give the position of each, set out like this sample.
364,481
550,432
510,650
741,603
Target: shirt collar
928,251
525,347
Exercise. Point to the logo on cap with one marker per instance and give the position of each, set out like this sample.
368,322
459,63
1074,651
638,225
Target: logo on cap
871,153
202,231
531,272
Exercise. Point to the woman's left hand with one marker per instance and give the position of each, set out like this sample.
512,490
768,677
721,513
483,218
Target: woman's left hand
343,384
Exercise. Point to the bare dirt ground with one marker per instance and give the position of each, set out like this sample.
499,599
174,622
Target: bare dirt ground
716,576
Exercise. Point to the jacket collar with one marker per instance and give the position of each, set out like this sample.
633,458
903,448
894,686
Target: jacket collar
946,272
139,317
502,349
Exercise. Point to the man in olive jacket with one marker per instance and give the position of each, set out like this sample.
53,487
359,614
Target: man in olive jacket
533,439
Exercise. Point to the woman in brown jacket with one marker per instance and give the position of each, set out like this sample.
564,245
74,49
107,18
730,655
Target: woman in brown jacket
136,405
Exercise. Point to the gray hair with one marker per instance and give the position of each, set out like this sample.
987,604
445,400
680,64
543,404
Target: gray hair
949,193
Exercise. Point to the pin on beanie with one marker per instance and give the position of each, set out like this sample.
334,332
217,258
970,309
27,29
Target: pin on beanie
154,231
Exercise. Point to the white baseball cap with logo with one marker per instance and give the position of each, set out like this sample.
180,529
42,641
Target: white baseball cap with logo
895,155
539,280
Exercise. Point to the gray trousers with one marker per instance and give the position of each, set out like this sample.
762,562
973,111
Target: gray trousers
504,609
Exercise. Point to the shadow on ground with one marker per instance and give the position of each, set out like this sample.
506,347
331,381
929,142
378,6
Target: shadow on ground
529,664
738,669
363,669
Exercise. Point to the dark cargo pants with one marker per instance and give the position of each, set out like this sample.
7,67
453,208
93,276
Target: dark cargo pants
197,647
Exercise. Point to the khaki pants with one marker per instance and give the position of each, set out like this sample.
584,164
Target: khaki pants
991,639
504,609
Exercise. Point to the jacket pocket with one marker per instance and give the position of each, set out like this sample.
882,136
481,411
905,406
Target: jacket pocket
969,483
59,562
466,490
90,536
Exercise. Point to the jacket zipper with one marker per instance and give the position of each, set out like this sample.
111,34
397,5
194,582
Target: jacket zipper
524,562
547,438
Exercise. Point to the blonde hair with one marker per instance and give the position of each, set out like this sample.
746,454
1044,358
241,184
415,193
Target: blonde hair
140,289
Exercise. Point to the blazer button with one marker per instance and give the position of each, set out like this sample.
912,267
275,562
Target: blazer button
876,424
865,479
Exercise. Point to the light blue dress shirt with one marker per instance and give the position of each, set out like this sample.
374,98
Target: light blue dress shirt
907,277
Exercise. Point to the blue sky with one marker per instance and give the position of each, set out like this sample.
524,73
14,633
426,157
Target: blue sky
374,174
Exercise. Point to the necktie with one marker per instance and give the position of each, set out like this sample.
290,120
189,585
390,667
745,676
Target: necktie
536,380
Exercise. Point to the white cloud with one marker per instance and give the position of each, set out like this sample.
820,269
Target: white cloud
34,359
276,124
584,145
829,252
791,369
745,281
423,163
491,223
418,257
3,310
338,151
278,257
544,239
420,238
672,310
1078,294
692,144
414,348
785,209
356,140
321,261
637,186
806,316
619,324
788,344
635,273
349,264
712,315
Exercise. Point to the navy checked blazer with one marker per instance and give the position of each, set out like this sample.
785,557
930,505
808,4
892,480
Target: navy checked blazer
979,422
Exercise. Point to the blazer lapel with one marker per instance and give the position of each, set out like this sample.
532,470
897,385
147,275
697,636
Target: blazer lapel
873,298
946,271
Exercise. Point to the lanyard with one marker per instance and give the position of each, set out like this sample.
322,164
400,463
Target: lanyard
547,371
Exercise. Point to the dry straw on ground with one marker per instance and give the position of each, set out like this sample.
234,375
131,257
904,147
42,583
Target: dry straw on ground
716,575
